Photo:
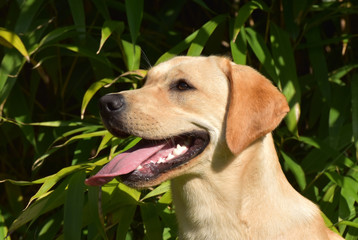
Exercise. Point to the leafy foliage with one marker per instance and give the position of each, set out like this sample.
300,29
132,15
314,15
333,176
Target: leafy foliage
59,57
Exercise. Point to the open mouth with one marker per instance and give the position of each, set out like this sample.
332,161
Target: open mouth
151,158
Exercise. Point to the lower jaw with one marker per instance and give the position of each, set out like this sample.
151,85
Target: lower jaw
152,175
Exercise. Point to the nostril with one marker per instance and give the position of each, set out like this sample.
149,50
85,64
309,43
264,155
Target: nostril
113,106
111,103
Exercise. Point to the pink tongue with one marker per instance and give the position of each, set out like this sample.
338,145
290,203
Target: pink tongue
122,164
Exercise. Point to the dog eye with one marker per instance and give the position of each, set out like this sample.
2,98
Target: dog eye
181,85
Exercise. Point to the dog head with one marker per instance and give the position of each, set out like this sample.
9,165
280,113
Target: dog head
187,108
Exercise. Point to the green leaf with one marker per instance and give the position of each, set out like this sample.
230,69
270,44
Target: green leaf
50,181
203,35
318,63
3,227
78,15
124,221
239,48
91,92
101,6
86,52
162,188
151,221
283,55
105,140
244,13
348,223
354,92
27,12
74,206
339,73
14,197
131,54
186,43
10,66
108,28
10,39
296,170
134,11
51,227
328,223
258,46
56,36
42,205
179,48
95,203
83,136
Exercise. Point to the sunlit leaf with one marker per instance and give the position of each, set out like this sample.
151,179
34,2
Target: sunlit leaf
203,35
244,13
354,92
164,187
10,39
91,92
108,28
132,55
296,170
261,51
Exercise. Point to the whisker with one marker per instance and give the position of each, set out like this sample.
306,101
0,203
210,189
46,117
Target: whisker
146,58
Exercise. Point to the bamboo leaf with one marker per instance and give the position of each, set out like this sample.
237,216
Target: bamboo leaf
94,202
91,92
10,66
131,54
3,228
134,10
203,35
244,13
151,221
258,46
286,69
10,39
105,140
296,170
78,15
179,48
239,48
85,52
50,181
348,223
319,64
354,93
74,206
162,188
56,36
124,220
102,7
108,28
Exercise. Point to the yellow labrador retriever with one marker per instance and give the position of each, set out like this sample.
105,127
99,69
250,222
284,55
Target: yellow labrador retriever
206,124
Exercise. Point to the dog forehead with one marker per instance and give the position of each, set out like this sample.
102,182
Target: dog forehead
183,66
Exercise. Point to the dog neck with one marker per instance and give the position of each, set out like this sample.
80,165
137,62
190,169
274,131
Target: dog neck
250,198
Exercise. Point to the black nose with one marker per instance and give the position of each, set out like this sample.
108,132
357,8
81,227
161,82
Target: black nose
111,103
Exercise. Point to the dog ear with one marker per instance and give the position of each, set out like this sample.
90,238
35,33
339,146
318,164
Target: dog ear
256,107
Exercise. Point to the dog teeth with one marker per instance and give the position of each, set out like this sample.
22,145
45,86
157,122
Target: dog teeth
139,167
179,150
170,156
